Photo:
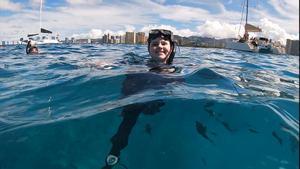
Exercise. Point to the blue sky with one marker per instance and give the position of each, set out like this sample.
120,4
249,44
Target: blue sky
93,18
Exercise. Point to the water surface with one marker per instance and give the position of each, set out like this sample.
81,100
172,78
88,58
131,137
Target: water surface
226,109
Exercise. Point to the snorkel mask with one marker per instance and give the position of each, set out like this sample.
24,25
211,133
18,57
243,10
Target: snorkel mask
166,35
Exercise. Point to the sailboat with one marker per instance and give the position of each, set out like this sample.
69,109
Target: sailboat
44,36
254,44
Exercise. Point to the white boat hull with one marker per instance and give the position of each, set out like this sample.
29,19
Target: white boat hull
48,41
41,39
248,47
243,46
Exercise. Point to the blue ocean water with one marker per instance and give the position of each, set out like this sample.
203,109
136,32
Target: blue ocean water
71,105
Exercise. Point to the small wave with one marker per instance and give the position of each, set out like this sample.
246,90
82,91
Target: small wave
5,73
62,66
132,58
290,74
217,53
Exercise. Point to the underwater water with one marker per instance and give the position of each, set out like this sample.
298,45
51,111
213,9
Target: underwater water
70,106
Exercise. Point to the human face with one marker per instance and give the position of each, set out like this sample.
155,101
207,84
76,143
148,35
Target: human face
160,49
34,50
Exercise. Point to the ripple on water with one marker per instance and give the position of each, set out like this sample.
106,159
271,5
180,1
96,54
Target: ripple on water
62,66
5,73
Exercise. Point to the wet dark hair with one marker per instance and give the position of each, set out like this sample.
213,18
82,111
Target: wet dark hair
166,35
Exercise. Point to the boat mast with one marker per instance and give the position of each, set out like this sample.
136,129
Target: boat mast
41,6
247,12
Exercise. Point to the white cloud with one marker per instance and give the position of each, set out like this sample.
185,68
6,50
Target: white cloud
286,8
218,29
216,5
92,34
98,33
120,32
71,20
275,32
149,27
188,14
289,24
185,32
80,36
35,3
10,6
129,28
182,13
181,32
103,16
84,2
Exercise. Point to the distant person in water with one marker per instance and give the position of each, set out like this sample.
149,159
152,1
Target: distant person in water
31,48
161,49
